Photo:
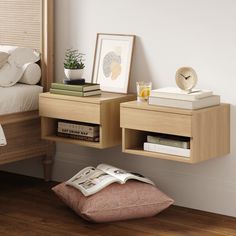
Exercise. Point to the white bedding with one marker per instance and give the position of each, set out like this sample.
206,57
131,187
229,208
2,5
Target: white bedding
19,98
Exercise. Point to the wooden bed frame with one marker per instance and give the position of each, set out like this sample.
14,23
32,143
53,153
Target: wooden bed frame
28,24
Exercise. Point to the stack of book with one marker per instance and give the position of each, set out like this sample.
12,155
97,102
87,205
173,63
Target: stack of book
174,97
168,144
76,130
85,90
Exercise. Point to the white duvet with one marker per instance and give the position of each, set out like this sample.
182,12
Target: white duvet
19,98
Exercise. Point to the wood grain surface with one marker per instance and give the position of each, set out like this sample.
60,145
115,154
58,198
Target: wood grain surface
29,207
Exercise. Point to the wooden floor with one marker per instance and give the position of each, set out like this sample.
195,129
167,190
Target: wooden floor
29,207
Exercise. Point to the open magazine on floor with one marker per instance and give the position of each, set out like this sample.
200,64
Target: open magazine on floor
91,180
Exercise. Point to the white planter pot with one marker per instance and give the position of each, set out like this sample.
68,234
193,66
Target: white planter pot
73,73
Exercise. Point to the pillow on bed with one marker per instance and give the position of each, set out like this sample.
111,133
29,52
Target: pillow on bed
18,60
116,202
7,49
31,75
3,58
10,74
22,56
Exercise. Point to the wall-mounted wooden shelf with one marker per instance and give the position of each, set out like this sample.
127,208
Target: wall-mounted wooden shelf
103,110
208,129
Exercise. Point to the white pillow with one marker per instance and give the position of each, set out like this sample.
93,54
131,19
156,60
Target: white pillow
32,74
12,71
7,49
3,58
10,74
22,56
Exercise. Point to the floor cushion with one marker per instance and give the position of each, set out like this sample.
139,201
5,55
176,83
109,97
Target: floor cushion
116,202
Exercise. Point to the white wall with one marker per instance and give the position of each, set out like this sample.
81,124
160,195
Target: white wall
170,34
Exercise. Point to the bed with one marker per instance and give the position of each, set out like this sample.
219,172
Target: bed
26,23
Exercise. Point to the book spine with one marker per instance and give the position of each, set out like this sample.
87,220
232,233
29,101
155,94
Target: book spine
86,134
78,127
79,137
168,142
152,147
67,92
188,97
67,87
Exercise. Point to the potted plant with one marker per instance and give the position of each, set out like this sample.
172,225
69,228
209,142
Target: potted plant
73,64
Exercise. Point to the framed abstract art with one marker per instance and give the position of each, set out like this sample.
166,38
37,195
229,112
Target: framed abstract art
112,62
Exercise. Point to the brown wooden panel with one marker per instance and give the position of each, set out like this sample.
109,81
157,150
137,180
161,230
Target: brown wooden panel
69,110
211,133
154,121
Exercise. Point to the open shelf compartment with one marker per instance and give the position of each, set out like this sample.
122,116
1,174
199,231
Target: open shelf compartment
49,132
133,141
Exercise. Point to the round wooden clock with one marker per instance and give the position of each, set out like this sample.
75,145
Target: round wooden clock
186,78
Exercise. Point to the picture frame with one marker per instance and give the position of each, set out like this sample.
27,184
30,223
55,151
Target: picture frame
112,61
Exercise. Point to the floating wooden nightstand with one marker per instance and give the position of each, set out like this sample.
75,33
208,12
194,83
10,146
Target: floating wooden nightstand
102,110
208,129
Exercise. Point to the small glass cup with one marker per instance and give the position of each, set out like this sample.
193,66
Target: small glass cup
143,90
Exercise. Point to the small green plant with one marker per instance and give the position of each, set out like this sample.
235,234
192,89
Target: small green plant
73,59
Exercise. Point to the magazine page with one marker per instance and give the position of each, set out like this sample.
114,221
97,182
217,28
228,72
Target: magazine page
123,175
90,180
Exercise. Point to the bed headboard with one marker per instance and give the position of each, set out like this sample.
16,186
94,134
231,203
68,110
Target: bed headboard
30,23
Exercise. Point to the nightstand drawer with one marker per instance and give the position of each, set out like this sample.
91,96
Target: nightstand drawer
154,121
69,110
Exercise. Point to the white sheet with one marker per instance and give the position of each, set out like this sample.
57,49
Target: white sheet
19,98
3,141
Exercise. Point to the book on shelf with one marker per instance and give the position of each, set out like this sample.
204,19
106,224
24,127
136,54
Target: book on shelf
176,93
75,93
70,126
185,104
78,88
169,140
79,137
153,147
78,132
91,180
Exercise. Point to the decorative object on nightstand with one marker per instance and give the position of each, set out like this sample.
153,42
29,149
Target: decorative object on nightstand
112,64
186,78
185,96
73,64
143,90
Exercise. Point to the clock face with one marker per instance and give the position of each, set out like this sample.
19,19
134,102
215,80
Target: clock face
186,78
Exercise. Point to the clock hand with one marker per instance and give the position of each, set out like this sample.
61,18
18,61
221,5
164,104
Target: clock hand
183,76
188,77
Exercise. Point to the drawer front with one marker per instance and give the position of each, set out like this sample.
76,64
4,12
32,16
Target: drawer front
69,110
162,122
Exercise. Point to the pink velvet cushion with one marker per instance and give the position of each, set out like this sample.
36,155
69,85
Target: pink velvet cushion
116,202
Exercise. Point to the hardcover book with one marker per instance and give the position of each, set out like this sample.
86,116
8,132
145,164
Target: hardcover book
77,132
79,137
184,104
79,88
83,127
90,180
152,147
75,93
170,140
176,93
